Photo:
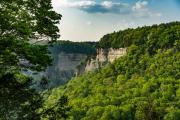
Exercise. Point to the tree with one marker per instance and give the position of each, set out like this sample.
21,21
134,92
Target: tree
20,22
59,110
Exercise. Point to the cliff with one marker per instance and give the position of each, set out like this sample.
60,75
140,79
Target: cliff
103,57
64,68
68,64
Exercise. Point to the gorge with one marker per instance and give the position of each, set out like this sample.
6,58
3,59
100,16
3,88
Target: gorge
69,63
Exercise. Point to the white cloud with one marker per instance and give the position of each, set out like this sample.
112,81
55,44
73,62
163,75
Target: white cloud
107,4
89,23
82,4
110,4
140,5
140,9
92,6
66,3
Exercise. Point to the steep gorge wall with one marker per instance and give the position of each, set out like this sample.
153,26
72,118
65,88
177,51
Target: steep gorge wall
103,57
68,65
64,67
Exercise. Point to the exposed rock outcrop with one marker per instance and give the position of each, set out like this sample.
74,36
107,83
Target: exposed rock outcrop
64,68
103,57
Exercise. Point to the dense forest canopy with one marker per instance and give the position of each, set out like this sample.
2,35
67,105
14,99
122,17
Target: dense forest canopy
142,85
156,36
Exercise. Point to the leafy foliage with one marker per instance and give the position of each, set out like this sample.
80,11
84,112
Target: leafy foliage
58,111
142,85
154,37
20,22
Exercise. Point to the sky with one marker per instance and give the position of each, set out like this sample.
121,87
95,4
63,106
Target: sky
89,20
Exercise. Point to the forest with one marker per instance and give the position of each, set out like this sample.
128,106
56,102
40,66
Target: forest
142,85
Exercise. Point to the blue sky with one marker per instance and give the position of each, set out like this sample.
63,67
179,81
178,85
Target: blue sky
89,20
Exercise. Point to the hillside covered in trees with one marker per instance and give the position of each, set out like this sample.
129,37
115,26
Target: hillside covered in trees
154,37
142,85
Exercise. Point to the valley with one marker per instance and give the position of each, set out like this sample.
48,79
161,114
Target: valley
68,63
89,60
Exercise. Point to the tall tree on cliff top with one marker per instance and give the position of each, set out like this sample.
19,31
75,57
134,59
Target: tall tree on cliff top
20,22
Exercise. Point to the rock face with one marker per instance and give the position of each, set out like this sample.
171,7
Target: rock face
68,65
64,68
103,57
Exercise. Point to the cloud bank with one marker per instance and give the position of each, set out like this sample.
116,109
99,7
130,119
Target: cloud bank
139,9
91,6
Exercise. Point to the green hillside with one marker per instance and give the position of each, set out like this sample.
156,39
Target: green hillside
143,85
152,37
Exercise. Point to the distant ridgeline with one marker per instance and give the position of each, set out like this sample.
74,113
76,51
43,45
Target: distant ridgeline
144,84
88,48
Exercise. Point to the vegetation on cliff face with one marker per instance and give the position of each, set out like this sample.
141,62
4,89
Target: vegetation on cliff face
143,85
